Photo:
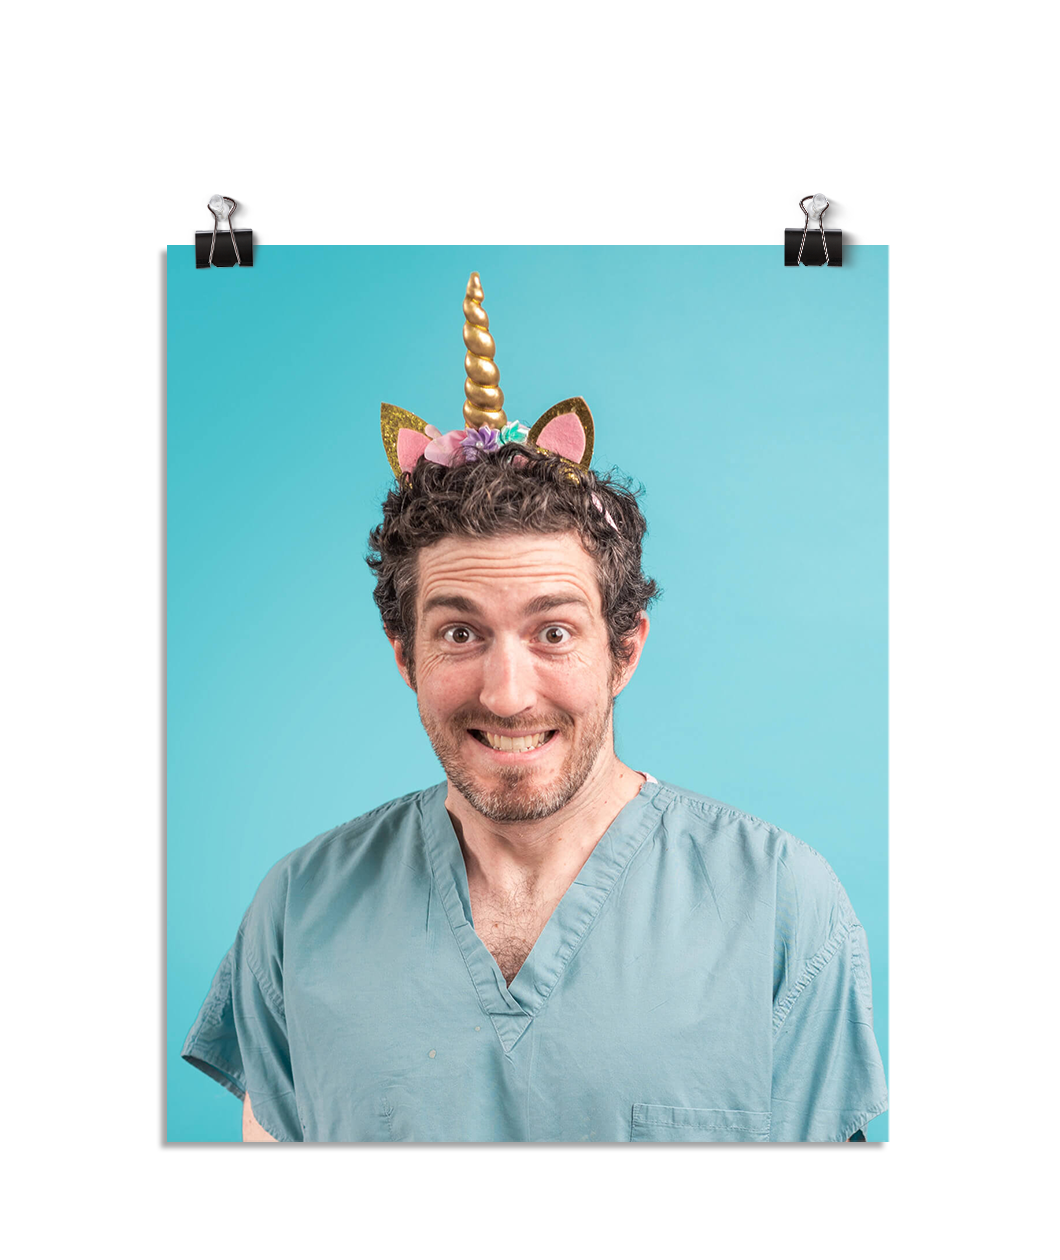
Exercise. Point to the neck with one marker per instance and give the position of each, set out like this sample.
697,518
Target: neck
513,856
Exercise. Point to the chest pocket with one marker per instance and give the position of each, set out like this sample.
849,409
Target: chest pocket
652,1123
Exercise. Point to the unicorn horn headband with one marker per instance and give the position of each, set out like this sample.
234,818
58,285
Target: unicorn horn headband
566,429
485,399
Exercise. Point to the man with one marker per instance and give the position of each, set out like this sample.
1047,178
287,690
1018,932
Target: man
551,945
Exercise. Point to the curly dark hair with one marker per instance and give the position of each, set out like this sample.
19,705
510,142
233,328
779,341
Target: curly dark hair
515,490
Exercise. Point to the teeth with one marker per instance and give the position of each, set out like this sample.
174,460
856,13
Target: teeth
518,743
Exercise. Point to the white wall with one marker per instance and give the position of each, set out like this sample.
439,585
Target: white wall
545,123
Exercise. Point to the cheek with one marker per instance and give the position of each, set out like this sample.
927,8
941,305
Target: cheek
578,684
443,682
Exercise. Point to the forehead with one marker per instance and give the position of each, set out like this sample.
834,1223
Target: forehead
505,572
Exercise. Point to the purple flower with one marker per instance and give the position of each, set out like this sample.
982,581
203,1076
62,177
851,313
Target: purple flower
479,440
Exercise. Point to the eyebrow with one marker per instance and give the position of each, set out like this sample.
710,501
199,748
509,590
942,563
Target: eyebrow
456,602
539,604
546,603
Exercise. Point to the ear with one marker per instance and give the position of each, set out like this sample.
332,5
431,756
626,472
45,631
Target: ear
399,657
566,429
404,438
638,638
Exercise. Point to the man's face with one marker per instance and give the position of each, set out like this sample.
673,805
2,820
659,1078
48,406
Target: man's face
513,673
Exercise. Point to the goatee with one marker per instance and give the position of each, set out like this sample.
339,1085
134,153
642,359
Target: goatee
511,795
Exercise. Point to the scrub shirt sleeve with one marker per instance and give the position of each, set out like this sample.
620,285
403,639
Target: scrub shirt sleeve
828,1079
240,1035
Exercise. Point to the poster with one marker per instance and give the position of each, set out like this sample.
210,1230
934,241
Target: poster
749,400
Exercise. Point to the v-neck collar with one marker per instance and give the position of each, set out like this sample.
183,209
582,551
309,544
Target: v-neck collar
511,1009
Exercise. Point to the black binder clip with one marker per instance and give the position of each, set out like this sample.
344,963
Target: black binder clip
812,246
234,250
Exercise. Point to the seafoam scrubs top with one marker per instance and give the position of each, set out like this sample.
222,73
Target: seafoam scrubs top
703,979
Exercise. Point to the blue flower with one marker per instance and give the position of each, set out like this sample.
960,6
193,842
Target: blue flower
513,431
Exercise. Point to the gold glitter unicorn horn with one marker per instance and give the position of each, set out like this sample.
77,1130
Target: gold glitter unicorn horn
485,401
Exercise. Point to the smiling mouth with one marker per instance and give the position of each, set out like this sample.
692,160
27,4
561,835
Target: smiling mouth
512,743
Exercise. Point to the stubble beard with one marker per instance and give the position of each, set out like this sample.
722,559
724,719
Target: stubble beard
512,797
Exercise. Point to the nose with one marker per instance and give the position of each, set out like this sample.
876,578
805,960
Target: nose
508,686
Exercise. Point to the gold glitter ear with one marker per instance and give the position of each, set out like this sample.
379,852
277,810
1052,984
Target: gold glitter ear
392,421
580,408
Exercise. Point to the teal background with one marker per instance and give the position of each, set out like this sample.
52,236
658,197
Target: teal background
750,400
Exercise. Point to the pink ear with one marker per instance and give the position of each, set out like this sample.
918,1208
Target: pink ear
410,446
564,435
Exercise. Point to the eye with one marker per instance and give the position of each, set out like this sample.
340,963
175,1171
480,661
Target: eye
554,636
460,635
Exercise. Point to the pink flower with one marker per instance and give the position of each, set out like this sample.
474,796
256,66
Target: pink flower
444,448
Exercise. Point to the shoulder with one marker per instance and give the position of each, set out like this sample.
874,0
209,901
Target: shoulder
768,869
716,815
806,886
347,839
327,864
364,838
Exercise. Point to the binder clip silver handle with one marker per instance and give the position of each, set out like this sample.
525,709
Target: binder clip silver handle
222,209
815,221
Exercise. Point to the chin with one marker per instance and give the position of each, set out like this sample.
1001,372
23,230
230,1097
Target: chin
513,799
